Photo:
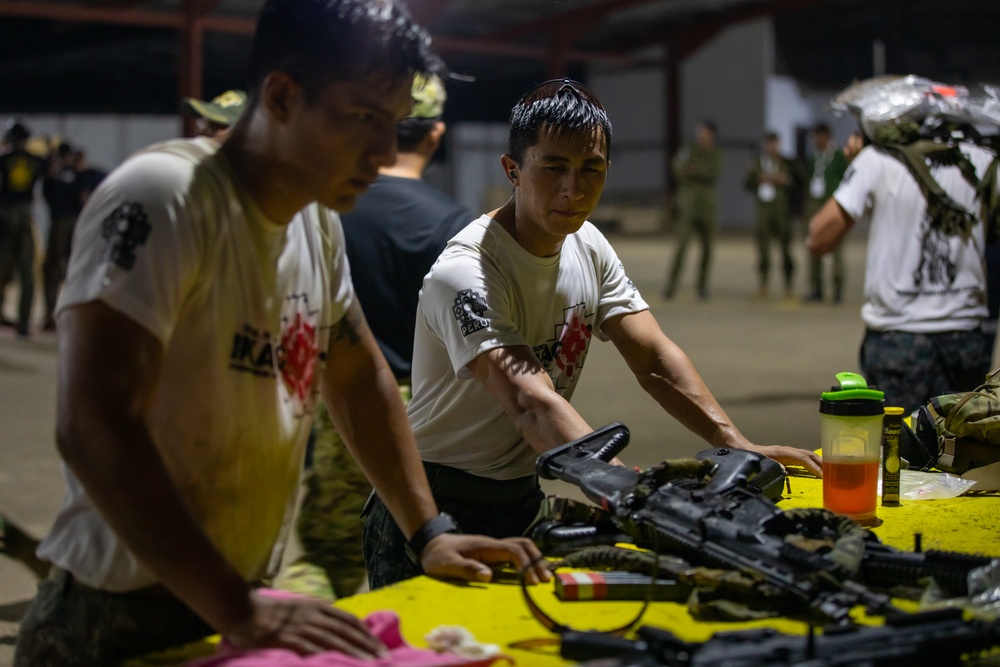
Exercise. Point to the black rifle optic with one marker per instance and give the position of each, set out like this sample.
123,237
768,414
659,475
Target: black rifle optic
718,520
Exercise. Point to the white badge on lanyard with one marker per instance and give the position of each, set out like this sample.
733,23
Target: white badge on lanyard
766,192
817,187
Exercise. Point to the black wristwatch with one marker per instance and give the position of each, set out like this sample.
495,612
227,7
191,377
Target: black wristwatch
442,523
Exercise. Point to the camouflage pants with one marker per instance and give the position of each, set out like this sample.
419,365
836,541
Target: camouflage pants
773,222
816,274
481,506
912,368
329,524
71,624
17,254
689,224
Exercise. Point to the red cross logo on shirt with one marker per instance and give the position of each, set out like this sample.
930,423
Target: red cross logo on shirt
298,342
573,338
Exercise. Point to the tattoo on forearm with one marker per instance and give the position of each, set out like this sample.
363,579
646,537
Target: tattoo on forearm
347,332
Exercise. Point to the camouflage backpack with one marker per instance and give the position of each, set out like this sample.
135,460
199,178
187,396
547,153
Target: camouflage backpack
967,425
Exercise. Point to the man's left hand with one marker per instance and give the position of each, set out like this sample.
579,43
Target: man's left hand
792,456
467,557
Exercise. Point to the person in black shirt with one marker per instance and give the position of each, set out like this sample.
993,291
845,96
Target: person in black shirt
87,177
19,171
399,228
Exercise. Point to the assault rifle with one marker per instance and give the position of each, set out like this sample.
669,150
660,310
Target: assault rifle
927,639
716,519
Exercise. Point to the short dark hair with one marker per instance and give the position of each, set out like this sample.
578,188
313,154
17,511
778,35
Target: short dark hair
561,107
16,132
710,124
318,42
821,128
411,131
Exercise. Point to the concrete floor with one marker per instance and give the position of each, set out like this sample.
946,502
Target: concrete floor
765,360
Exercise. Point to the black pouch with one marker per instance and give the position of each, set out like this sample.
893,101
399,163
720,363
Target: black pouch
919,444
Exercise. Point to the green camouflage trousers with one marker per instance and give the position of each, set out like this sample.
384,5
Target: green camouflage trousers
329,524
71,624
911,368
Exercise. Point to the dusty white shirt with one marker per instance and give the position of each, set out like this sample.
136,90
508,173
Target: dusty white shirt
916,279
243,307
486,291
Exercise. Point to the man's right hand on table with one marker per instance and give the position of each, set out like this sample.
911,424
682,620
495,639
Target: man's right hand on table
458,556
306,626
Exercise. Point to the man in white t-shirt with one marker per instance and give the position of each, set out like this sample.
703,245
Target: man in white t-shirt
925,288
505,320
208,304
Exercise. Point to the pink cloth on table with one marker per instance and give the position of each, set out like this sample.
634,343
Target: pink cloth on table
383,624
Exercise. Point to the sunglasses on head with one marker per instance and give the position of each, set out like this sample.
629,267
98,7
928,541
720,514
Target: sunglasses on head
553,87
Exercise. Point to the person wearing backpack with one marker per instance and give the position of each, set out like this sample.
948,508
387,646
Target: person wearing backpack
925,282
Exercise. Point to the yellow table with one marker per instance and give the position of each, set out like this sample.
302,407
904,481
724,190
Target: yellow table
967,523
497,613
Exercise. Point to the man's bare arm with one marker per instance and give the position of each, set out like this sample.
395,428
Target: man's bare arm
828,228
516,379
666,373
109,367
363,398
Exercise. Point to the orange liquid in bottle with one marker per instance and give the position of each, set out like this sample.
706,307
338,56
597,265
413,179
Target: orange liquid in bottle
849,486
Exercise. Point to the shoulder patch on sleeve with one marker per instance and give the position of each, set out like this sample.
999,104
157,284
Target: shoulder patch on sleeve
126,228
469,308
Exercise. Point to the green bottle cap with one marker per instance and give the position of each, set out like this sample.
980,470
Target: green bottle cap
852,387
852,397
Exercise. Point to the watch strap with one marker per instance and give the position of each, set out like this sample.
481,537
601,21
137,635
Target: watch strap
442,523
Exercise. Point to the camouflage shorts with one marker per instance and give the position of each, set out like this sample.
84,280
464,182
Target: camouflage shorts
329,522
911,368
71,624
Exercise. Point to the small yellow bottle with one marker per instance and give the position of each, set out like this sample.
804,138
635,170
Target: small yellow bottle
892,428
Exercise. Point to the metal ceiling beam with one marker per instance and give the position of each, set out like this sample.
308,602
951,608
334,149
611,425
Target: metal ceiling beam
114,3
576,21
74,13
425,11
443,45
133,17
685,40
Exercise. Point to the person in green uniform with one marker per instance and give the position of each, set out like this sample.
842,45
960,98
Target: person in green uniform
826,167
696,168
770,178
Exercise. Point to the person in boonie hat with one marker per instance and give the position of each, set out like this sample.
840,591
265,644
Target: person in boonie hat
420,133
428,97
213,118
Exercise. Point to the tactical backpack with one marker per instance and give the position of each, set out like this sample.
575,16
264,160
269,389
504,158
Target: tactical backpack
961,431
921,123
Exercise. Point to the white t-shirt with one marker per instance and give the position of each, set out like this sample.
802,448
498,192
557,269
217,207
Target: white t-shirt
916,279
243,307
486,291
